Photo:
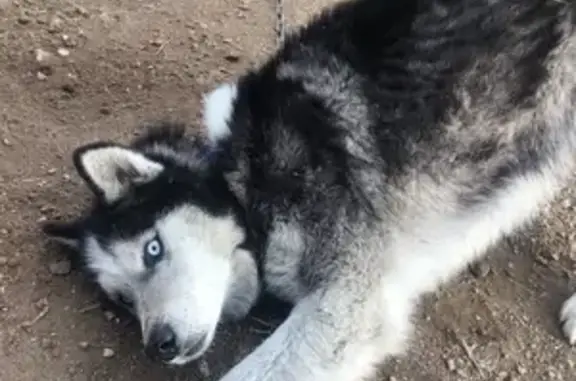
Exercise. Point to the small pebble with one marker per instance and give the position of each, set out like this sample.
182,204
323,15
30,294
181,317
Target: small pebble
72,370
451,365
67,41
24,20
46,208
83,345
521,370
13,262
6,142
42,55
82,11
109,315
46,70
63,52
232,58
68,88
60,268
41,76
46,343
108,353
3,261
55,24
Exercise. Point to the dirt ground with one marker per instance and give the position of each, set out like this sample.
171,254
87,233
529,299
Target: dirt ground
72,71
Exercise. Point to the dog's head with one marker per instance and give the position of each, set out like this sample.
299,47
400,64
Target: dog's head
164,239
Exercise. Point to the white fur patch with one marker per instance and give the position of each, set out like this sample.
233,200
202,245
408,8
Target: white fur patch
105,164
568,319
218,107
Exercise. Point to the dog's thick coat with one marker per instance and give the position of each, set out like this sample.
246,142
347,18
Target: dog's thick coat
383,148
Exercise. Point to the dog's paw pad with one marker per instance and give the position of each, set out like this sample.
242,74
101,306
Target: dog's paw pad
568,319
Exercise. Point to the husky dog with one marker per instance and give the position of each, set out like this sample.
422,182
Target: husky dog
383,148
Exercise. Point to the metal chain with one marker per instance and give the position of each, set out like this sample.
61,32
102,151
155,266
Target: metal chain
280,23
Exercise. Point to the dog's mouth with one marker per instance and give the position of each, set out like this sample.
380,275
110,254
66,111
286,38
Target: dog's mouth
192,352
188,356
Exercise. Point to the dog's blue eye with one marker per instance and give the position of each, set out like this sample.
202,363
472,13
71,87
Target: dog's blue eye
153,252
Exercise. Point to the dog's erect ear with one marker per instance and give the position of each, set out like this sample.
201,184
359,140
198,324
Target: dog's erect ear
66,233
110,170
218,110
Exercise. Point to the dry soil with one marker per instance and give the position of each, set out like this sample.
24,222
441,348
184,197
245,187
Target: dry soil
72,71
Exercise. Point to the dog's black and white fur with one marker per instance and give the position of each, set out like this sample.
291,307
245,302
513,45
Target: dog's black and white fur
383,148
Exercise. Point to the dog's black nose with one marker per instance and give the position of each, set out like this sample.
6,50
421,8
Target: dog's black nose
162,343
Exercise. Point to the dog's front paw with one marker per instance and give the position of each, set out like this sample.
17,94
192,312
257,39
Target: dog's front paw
568,319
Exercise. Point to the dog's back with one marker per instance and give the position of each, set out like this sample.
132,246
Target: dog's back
403,118
388,144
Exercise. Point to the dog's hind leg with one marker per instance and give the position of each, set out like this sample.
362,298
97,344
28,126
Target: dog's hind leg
568,319
335,334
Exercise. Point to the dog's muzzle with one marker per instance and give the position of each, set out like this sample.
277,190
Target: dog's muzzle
164,345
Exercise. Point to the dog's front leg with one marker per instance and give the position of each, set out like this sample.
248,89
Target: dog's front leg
333,335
